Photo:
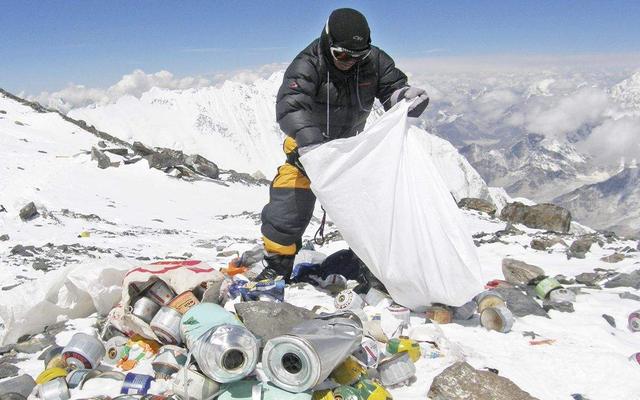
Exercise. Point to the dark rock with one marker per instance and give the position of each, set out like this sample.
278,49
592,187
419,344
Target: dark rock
588,278
580,247
508,230
4,238
613,258
545,243
42,264
102,144
629,296
259,317
23,384
28,212
564,280
166,159
2,208
118,151
8,370
461,381
6,349
481,205
25,251
34,344
625,280
203,166
541,216
610,320
519,272
132,160
103,159
143,150
520,304
56,328
562,306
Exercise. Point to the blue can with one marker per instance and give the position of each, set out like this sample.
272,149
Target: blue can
136,383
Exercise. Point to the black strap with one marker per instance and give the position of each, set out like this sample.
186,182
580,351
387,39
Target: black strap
320,231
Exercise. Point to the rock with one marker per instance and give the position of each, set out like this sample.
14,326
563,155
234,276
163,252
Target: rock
34,344
508,230
541,216
259,317
610,320
519,272
481,205
613,258
630,296
625,280
6,349
132,160
4,238
103,159
8,370
545,243
28,212
580,247
25,251
520,304
564,280
562,306
166,159
141,149
588,278
23,385
258,175
118,151
42,264
461,381
203,166
102,144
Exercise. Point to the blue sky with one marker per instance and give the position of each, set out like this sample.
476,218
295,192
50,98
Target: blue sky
45,45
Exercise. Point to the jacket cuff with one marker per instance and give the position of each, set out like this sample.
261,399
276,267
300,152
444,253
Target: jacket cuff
309,136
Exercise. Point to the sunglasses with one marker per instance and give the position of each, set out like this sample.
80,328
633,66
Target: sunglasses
346,55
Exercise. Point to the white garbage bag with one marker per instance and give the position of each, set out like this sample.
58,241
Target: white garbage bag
384,193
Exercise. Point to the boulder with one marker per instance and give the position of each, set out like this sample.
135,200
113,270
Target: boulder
481,205
541,216
28,212
625,280
613,258
8,370
267,320
461,381
580,247
142,149
203,166
629,296
588,278
34,344
519,303
519,272
103,160
544,243
562,306
166,159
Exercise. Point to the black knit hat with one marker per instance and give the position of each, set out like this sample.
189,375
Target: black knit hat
348,28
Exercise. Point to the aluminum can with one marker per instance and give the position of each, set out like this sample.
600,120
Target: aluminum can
346,393
50,374
497,319
404,344
348,372
562,295
136,383
184,301
78,376
115,350
400,313
465,311
168,361
439,314
376,298
83,351
197,385
144,308
396,369
487,299
160,293
54,390
166,326
324,394
372,390
347,300
368,353
545,286
634,321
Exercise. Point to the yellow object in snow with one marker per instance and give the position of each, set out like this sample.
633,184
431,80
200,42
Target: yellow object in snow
323,395
348,372
50,374
403,343
84,234
372,390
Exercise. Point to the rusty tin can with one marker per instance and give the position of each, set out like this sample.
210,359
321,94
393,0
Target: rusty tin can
184,301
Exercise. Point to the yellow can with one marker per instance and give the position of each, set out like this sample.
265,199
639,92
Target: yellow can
322,395
403,343
372,390
348,372
50,374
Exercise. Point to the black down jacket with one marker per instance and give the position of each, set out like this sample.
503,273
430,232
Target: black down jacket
301,108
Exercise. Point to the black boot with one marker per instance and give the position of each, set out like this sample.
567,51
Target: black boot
277,265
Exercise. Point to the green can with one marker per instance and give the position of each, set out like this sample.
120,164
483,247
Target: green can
346,393
545,286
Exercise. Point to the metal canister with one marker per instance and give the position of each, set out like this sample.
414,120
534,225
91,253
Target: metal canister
404,344
400,313
465,311
144,308
115,350
184,301
346,393
487,299
368,353
166,325
396,369
634,321
562,295
136,383
83,351
372,390
497,319
347,300
54,390
168,361
376,298
78,376
325,394
160,293
439,314
196,384
545,286
348,372
50,374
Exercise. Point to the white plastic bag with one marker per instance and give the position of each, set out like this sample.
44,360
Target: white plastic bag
382,190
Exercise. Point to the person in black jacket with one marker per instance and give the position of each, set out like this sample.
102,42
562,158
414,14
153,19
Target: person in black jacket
327,93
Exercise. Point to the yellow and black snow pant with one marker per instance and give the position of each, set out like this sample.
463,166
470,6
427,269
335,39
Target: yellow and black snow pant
290,207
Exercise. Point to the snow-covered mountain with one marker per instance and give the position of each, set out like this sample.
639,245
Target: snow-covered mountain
627,92
611,204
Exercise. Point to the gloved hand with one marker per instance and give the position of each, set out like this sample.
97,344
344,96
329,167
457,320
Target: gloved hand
417,97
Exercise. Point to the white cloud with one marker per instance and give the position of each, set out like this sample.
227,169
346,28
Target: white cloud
614,140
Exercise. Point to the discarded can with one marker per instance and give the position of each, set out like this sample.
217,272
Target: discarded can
562,295
160,293
168,361
139,287
372,390
368,353
377,298
497,319
347,300
78,376
400,313
54,390
348,372
184,301
115,350
404,344
635,358
144,308
225,350
346,393
439,314
396,369
487,299
545,286
83,351
307,355
51,374
22,385
325,394
166,325
136,383
253,389
634,321
465,311
196,384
